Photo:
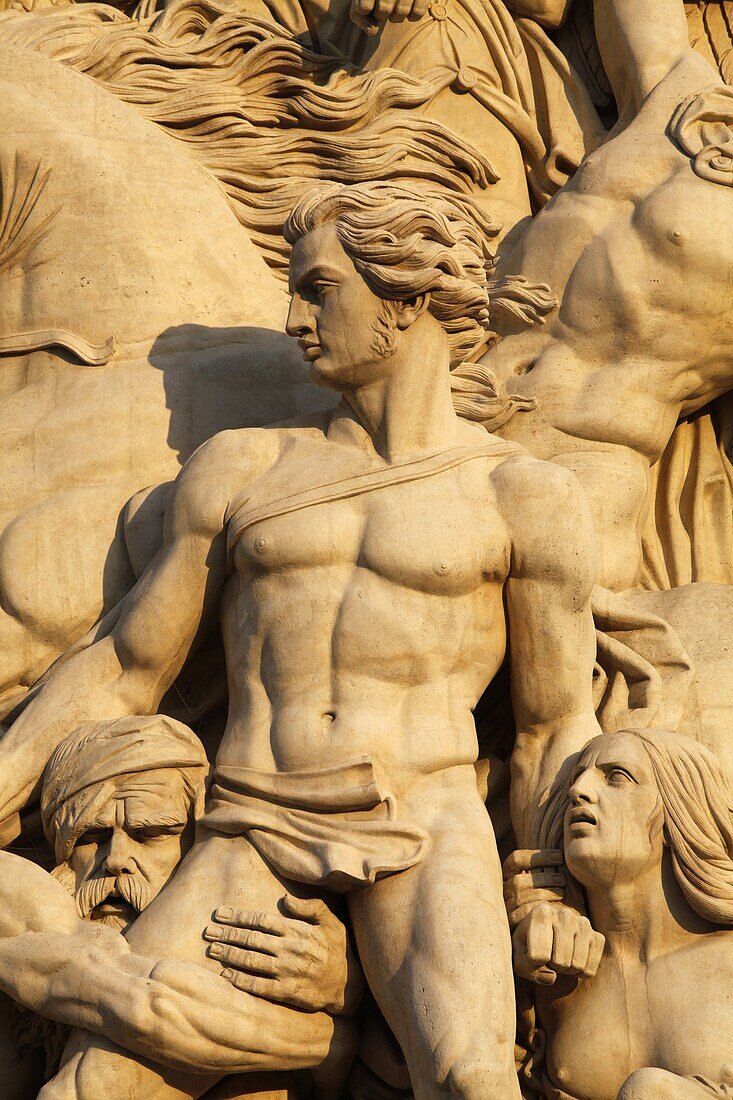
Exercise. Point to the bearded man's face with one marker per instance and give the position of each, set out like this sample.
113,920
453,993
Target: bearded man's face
131,847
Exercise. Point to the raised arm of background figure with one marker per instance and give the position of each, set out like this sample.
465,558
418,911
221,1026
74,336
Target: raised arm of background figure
129,670
175,1013
552,642
640,42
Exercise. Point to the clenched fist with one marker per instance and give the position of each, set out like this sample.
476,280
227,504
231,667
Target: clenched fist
553,939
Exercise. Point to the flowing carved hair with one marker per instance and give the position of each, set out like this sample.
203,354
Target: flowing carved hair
404,244
269,119
698,830
407,242
262,113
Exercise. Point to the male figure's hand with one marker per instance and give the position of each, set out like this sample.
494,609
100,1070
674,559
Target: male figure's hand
302,959
370,15
554,939
532,875
550,937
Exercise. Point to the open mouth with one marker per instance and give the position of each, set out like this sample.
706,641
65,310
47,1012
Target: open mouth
113,905
582,817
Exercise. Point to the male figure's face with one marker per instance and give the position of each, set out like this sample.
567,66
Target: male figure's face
347,332
132,846
613,826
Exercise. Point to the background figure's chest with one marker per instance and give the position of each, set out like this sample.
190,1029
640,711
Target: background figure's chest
433,535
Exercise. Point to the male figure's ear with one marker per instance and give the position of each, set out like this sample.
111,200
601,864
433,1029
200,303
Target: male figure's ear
408,312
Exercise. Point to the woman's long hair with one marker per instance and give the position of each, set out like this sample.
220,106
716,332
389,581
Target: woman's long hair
697,819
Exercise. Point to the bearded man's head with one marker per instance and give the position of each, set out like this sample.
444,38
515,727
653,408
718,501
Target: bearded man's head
119,805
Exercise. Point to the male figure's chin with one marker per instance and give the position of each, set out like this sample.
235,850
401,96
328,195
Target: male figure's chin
117,915
322,374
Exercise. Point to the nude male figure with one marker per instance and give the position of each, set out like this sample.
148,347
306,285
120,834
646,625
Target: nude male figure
638,249
370,571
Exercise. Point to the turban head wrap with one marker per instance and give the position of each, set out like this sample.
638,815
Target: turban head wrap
79,775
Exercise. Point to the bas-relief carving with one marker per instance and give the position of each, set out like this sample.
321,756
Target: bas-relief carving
372,567
317,547
643,822
119,803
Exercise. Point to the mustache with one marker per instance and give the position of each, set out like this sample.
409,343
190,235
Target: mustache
133,889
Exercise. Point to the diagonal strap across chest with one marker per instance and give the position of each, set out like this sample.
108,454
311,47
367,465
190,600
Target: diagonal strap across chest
247,511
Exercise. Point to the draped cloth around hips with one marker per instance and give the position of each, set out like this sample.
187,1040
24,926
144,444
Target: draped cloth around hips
329,827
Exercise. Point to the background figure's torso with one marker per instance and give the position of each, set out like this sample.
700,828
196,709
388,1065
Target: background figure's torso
642,334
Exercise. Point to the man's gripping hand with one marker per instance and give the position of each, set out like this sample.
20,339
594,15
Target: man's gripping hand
301,958
550,937
532,875
554,939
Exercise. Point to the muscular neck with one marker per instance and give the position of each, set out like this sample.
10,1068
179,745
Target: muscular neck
647,917
409,409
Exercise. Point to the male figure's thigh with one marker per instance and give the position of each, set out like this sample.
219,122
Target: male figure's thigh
98,1068
435,945
219,870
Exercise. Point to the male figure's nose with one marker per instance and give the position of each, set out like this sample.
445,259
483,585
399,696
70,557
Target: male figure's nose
120,859
300,320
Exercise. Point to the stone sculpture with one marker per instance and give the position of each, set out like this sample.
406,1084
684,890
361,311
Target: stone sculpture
108,790
120,799
320,800
645,828
620,361
493,538
82,332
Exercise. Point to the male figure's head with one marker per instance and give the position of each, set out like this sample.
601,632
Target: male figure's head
119,804
373,263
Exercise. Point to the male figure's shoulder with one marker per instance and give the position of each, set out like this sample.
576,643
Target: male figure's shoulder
528,484
224,467
546,513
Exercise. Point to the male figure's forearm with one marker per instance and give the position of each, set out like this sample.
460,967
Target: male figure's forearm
537,761
90,686
172,1012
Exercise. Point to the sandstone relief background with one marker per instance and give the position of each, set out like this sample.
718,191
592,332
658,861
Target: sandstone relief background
366,549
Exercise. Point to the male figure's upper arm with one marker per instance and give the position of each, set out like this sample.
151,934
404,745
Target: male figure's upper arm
179,589
551,632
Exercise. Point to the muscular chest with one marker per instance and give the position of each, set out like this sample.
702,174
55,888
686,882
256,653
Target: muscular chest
440,534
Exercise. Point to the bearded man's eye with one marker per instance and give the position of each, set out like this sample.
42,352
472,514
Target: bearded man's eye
152,832
94,836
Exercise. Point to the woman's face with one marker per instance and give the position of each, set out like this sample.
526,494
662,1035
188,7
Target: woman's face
613,825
